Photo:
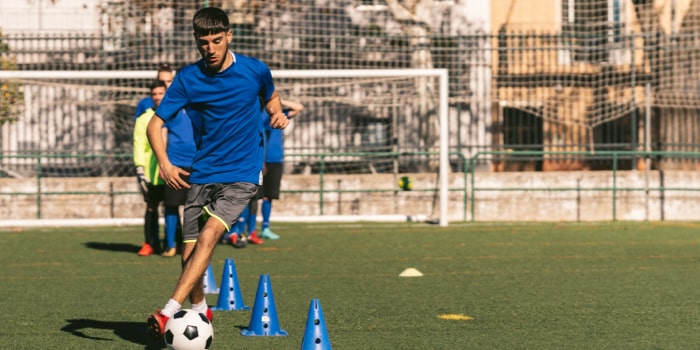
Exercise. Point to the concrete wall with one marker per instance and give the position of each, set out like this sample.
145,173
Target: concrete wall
586,196
508,196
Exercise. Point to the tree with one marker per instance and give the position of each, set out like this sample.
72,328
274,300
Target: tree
11,96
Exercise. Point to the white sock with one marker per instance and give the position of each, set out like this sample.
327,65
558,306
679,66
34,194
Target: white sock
201,307
171,308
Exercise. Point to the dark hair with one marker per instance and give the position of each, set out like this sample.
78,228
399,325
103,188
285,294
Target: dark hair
156,84
210,20
164,67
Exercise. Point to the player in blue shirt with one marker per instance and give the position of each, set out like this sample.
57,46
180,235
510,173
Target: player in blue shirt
272,179
274,167
243,230
223,94
180,149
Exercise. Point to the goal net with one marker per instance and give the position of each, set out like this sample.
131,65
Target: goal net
392,122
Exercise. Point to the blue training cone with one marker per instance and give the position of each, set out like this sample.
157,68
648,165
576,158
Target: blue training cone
315,334
209,282
230,297
263,321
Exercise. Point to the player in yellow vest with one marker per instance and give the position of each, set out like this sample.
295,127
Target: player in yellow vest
150,184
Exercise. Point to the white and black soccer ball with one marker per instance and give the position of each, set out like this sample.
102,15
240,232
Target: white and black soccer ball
188,330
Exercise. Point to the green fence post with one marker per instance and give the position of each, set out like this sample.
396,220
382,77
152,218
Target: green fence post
320,182
473,190
464,191
38,186
614,188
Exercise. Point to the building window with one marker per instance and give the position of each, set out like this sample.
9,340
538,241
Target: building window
370,5
593,30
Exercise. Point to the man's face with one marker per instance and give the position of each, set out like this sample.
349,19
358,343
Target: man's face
157,95
166,77
214,49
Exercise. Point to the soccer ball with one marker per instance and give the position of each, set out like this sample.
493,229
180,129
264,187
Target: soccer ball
188,330
405,183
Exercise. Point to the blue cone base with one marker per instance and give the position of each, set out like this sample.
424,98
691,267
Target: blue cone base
242,308
251,333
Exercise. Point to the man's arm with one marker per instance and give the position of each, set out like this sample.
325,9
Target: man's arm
294,108
139,143
139,156
274,108
169,172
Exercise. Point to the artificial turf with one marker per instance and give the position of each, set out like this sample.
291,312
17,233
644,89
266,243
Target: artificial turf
484,286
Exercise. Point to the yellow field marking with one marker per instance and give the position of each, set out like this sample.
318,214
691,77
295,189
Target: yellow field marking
455,317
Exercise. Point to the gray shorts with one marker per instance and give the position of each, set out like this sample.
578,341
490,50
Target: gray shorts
223,202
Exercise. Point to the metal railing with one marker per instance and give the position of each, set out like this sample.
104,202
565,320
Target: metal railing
41,161
614,189
468,168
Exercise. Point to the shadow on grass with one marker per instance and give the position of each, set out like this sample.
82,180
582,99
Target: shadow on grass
114,247
134,332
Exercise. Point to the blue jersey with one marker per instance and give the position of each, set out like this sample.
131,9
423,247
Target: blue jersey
144,104
181,147
225,111
274,152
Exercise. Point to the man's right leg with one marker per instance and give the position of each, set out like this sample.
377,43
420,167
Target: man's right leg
196,258
266,210
172,222
150,230
198,261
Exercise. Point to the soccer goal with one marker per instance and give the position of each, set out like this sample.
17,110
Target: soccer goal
383,122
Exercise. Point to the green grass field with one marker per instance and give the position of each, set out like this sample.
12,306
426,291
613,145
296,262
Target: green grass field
485,286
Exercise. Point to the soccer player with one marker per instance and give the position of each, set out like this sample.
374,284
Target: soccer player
150,183
243,230
223,94
180,148
164,74
274,167
272,178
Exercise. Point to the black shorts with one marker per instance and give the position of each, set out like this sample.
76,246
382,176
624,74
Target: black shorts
173,197
259,194
272,180
155,194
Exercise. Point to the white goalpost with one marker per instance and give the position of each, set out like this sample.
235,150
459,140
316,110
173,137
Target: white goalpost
376,111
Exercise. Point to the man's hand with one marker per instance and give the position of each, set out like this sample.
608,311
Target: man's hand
172,176
279,120
142,182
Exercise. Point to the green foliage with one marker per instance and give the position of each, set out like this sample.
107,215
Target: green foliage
11,95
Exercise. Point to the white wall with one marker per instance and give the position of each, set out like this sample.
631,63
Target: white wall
561,196
49,16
